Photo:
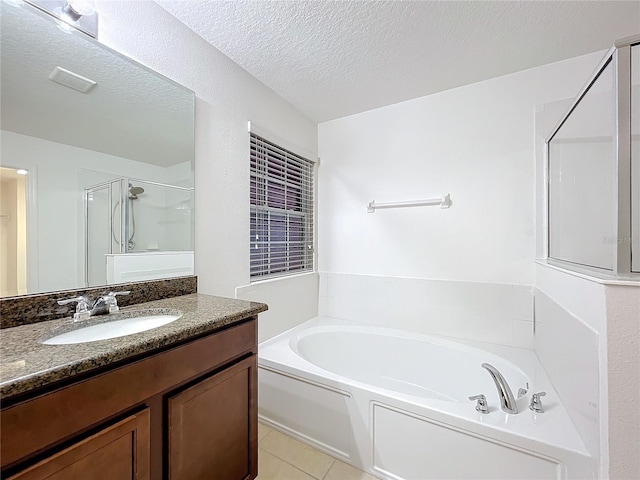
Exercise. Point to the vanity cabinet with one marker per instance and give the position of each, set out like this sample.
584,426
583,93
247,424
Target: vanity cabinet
188,412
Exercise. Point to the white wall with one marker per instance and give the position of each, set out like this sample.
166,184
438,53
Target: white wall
290,299
623,368
475,142
227,97
488,312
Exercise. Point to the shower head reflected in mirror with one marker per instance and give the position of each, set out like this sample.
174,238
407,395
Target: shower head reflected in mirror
134,192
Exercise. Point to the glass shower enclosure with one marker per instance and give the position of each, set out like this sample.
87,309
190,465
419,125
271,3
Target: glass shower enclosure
129,216
593,165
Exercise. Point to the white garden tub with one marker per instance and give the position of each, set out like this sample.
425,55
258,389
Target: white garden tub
395,404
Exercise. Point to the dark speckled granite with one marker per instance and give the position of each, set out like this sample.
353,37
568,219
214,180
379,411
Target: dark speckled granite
27,365
40,307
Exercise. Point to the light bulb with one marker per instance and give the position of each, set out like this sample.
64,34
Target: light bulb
21,171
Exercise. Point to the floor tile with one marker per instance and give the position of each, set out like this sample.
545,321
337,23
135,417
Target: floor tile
272,468
307,459
342,471
263,430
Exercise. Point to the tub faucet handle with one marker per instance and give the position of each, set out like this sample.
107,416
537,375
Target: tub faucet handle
481,406
536,403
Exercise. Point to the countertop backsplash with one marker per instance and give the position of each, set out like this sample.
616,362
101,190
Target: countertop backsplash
28,309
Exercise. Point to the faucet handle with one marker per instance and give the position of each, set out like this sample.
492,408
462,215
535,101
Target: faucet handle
536,403
82,306
481,406
111,302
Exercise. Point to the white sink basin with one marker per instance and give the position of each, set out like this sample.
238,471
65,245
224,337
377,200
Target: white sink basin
114,326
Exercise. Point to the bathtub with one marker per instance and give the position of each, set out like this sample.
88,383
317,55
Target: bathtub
396,404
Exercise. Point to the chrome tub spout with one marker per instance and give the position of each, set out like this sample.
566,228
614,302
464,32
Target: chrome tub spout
507,401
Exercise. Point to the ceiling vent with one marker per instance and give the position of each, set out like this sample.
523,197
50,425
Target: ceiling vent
72,80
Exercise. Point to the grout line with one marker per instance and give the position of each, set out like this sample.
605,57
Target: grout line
290,464
262,439
333,459
329,469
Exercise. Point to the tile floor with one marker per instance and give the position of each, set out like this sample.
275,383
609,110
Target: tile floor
281,457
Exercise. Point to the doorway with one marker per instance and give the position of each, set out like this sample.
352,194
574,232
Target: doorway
13,231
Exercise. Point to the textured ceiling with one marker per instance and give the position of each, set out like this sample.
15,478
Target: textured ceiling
335,58
131,113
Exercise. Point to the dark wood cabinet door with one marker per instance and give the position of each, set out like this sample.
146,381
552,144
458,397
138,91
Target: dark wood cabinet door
119,452
213,426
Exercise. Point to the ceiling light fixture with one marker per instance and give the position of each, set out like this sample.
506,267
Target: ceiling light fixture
76,9
21,171
71,14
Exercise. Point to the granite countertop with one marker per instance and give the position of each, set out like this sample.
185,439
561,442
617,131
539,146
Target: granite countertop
26,364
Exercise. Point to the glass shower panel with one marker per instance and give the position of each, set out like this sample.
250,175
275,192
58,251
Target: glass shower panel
179,219
98,234
635,158
582,170
159,217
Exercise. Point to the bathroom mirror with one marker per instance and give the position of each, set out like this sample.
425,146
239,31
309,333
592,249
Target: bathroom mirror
97,162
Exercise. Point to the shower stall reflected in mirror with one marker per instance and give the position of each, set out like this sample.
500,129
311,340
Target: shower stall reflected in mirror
137,230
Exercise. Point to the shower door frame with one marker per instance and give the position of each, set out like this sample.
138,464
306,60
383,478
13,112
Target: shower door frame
619,56
123,219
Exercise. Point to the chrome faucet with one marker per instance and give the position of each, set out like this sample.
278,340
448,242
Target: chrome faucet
507,401
103,305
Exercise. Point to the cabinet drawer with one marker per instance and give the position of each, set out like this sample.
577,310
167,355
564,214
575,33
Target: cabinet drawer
119,452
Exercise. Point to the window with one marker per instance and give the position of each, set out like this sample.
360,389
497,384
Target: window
281,211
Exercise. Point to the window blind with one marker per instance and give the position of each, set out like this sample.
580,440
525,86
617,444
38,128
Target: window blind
281,193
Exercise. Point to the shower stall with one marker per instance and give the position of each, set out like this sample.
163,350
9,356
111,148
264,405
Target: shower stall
128,217
593,166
